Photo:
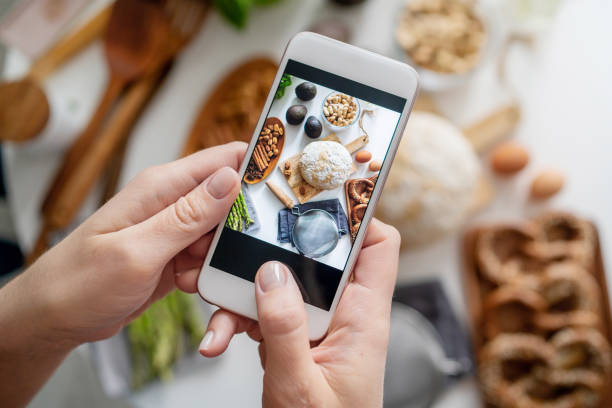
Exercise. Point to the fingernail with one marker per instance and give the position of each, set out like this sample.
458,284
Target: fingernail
221,183
207,340
272,276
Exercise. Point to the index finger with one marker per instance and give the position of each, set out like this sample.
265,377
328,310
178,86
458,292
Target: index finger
157,187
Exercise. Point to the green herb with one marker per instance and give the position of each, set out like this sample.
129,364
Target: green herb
265,2
284,82
237,11
239,217
161,335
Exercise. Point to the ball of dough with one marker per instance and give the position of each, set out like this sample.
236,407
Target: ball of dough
433,180
325,165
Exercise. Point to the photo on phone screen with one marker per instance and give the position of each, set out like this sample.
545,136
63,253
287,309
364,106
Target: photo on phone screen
323,142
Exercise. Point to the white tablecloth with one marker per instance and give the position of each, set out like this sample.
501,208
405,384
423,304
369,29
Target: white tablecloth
563,85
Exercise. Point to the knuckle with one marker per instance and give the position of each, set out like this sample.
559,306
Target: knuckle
239,150
124,255
148,176
282,320
187,213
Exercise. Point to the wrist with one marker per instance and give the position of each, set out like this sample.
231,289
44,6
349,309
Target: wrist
30,348
29,316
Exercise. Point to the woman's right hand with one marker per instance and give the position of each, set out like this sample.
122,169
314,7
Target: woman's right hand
345,369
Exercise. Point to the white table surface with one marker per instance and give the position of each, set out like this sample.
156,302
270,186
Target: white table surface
563,85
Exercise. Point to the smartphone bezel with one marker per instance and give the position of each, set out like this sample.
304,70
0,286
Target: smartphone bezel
236,294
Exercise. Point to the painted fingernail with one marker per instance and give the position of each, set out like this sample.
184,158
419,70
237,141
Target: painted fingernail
272,276
221,183
207,340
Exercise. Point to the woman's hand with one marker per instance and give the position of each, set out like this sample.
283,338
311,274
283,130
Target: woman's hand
152,235
346,368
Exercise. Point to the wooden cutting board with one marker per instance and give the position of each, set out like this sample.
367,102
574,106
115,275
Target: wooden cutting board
231,111
290,168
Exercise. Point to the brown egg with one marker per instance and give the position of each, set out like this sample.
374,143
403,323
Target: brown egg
546,184
363,156
509,157
375,165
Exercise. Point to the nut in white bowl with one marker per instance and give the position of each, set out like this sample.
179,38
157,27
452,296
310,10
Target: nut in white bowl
339,110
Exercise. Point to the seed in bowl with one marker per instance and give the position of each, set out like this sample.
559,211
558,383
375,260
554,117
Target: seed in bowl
340,109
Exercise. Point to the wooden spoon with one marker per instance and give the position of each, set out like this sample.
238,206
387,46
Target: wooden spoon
134,37
24,109
185,18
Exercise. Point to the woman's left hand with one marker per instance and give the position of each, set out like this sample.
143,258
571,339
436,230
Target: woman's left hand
151,236
132,251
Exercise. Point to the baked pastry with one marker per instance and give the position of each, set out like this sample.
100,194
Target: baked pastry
572,295
563,236
547,389
358,193
501,255
433,181
325,165
580,350
526,371
507,359
512,309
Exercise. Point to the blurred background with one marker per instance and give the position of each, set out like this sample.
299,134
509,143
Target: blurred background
501,188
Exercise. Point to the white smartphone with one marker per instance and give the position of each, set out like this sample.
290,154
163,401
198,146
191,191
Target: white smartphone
324,144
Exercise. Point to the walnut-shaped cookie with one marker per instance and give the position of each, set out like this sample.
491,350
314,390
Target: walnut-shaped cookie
580,351
512,309
509,358
501,255
572,295
562,236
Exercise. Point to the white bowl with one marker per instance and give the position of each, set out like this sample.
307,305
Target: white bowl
339,128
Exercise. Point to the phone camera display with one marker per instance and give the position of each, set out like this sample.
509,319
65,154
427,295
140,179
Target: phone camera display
309,179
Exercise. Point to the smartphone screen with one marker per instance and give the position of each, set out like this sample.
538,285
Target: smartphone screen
324,139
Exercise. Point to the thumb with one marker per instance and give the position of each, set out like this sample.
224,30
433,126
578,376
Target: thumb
171,230
282,321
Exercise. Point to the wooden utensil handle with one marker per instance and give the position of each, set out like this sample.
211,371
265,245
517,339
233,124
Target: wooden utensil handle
493,128
113,172
40,246
86,172
280,194
79,148
70,45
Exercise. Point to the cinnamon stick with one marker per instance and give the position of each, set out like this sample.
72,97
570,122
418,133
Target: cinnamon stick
263,154
258,160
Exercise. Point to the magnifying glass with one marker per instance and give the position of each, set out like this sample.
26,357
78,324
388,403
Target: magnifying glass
315,233
417,368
